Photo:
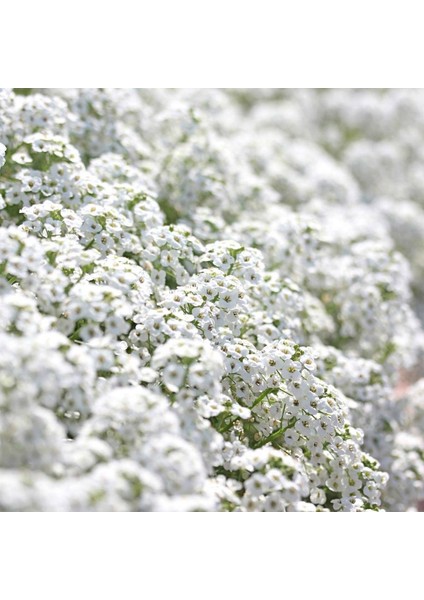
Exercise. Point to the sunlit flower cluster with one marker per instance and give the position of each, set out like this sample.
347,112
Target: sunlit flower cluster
208,298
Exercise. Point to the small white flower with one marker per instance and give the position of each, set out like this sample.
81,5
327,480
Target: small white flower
2,154
173,377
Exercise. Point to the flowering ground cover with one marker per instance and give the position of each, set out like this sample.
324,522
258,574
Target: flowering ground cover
210,300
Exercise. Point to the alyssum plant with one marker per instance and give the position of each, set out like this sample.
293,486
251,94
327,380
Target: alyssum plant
205,300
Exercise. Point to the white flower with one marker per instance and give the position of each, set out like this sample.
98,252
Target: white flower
173,377
2,154
207,298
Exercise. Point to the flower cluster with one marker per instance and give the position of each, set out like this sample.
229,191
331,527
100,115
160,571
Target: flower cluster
207,300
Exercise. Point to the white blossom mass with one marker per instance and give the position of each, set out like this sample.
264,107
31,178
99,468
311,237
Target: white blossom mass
211,300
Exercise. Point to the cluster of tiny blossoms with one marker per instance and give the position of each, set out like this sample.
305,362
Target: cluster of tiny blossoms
205,304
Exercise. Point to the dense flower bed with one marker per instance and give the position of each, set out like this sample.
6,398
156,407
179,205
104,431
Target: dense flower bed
208,298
